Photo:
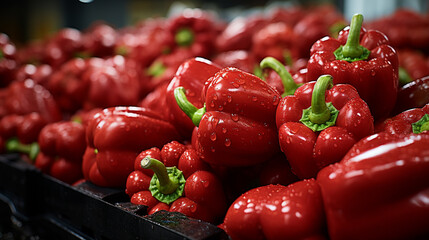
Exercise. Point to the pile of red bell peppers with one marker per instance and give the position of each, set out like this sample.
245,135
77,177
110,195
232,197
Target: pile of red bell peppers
296,124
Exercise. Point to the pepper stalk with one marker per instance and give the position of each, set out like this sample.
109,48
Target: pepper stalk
320,115
14,145
194,113
167,184
288,83
352,51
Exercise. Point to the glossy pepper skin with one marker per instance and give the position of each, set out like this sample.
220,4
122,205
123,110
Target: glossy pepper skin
410,121
241,59
371,67
320,123
379,189
115,137
412,95
62,145
191,75
277,212
199,193
237,125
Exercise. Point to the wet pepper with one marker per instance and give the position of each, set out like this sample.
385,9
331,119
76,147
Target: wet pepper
115,137
320,123
62,145
414,120
191,75
236,127
179,182
278,212
371,66
412,95
379,190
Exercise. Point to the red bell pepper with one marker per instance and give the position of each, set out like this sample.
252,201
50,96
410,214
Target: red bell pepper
379,190
414,120
278,212
26,97
241,59
66,83
156,101
38,73
162,69
412,95
27,107
115,137
19,134
275,40
117,76
191,75
320,123
181,183
195,30
413,64
405,28
62,145
83,83
290,15
25,128
317,23
236,127
237,35
372,67
99,40
8,60
66,44
144,42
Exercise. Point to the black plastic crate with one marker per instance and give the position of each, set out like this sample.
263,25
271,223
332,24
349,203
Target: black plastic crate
42,206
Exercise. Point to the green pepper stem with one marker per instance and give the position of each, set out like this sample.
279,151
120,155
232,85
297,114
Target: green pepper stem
156,69
421,125
184,37
320,115
14,145
404,77
166,185
288,83
195,114
319,110
352,51
351,48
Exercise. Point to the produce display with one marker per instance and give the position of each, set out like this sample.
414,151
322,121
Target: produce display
294,123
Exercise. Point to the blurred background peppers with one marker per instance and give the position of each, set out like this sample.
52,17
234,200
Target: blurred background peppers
363,59
62,145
